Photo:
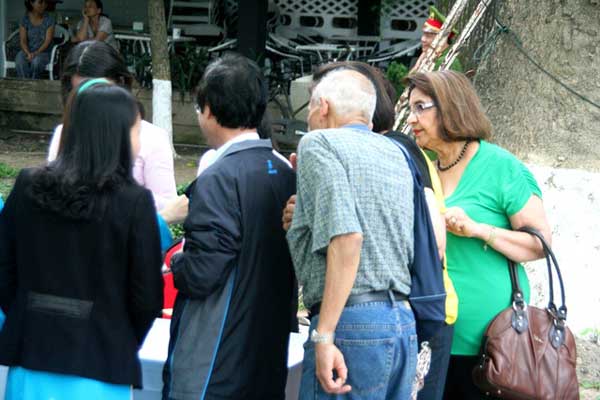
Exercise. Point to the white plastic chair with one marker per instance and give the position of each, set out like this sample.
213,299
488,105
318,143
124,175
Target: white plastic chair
59,33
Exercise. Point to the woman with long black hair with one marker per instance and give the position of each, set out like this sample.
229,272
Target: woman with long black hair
80,279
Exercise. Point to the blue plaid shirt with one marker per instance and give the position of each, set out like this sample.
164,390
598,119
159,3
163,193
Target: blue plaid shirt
352,180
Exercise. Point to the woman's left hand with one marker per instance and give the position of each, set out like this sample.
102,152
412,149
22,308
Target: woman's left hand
459,223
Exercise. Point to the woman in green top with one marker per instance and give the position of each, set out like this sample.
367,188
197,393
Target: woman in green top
489,194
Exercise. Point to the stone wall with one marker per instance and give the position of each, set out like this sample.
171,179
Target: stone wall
37,106
572,203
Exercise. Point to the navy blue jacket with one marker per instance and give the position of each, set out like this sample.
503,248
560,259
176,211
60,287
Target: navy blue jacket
79,295
237,290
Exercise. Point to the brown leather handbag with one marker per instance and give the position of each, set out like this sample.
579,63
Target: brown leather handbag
529,352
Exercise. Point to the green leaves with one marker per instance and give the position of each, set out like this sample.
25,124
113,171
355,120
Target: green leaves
187,67
396,72
6,171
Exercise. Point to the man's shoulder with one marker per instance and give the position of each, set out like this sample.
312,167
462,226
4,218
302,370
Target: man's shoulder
270,161
326,138
328,132
312,137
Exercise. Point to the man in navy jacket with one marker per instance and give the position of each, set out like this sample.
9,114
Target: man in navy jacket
237,292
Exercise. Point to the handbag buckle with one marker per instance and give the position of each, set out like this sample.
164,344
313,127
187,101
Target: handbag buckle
556,334
519,320
518,301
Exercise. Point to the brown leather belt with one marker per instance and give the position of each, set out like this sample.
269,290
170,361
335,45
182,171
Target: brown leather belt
369,297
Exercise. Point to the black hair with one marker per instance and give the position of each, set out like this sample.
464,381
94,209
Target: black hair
29,4
94,59
235,90
98,4
94,156
265,129
384,115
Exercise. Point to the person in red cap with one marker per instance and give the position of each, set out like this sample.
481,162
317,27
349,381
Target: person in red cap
431,27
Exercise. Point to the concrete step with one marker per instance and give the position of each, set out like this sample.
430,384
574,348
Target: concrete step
191,4
199,29
190,18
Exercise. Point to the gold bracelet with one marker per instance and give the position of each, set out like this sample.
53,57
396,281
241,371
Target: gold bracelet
491,238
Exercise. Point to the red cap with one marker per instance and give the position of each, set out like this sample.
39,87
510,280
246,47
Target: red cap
432,25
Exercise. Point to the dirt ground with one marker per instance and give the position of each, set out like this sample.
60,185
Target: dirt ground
20,150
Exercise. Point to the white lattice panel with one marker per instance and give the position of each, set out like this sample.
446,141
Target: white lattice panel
400,19
338,8
324,17
406,8
403,19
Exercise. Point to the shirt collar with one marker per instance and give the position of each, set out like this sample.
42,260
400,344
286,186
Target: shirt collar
239,138
361,127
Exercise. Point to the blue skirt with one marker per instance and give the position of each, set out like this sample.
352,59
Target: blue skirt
26,384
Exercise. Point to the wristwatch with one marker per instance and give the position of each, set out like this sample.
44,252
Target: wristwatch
326,338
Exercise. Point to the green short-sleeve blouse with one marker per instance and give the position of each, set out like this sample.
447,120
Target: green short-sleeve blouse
494,186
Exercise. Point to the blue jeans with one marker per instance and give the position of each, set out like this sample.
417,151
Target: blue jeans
33,69
435,379
379,344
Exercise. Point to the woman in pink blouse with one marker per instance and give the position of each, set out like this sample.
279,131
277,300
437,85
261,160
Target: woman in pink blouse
153,167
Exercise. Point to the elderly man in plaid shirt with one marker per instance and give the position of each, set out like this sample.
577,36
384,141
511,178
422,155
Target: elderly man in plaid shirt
351,240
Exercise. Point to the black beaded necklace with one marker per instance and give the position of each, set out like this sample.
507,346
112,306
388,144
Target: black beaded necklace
460,157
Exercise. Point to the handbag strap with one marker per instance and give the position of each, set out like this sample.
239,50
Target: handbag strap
551,261
517,293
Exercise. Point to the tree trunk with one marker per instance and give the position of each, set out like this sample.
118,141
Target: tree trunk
533,116
161,72
3,29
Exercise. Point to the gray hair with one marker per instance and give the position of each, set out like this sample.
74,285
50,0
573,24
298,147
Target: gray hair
348,91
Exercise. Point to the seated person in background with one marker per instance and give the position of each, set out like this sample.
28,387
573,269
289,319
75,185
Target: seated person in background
36,32
95,25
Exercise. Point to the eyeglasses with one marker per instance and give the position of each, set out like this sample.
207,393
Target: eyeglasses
419,108
198,109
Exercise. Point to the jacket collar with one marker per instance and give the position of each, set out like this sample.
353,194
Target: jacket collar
246,145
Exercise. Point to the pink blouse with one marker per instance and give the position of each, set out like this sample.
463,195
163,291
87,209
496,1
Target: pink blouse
153,167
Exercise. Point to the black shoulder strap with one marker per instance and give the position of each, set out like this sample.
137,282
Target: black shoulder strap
550,261
411,163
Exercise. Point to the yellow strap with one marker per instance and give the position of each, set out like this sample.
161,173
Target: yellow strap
451,297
